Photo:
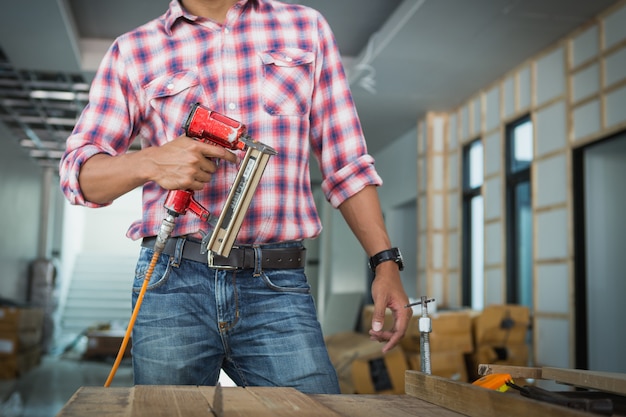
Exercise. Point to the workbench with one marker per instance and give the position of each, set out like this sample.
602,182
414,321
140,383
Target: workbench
190,401
426,396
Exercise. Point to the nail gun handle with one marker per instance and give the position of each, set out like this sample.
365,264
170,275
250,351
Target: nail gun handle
178,202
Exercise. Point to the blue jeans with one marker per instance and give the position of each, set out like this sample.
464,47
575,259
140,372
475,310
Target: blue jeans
260,328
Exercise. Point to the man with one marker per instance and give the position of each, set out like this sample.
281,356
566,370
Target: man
274,67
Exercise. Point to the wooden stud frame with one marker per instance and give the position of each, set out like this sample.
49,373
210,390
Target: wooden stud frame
465,117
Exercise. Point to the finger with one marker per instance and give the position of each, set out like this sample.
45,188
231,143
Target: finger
378,317
393,340
208,166
215,151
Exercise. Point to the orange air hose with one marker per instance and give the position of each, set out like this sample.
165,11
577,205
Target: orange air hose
133,317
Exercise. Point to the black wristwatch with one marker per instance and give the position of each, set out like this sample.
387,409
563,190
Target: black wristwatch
392,254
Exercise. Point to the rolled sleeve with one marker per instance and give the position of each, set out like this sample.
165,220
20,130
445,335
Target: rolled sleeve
336,135
350,179
69,171
105,125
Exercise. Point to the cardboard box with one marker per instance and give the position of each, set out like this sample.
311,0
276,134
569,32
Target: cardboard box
107,343
514,355
451,331
18,319
446,364
501,325
343,349
12,366
380,373
15,341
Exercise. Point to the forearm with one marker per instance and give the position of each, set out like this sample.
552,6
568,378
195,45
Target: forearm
103,178
363,215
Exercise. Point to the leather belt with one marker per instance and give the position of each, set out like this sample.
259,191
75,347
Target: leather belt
240,257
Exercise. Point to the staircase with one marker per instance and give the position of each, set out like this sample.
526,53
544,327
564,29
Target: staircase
99,293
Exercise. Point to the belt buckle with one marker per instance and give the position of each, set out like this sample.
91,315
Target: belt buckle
212,265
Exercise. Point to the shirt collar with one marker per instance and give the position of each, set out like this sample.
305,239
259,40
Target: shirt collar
176,12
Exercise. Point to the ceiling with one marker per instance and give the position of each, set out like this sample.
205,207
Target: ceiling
403,57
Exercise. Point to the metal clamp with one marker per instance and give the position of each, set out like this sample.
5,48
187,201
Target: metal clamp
425,328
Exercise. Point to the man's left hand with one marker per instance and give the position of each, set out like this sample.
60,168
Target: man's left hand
387,292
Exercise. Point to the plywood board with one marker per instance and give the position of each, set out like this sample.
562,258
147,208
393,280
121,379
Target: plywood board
475,401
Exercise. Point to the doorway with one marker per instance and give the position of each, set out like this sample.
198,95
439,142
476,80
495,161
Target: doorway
600,232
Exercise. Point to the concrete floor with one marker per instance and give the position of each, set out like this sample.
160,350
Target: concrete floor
45,389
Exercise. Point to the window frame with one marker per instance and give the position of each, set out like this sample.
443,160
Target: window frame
513,180
468,195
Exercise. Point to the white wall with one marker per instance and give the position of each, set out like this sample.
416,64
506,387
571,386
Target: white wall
105,227
20,204
398,198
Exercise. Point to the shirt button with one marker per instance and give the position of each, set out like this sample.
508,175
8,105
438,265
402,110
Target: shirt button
232,106
288,59
226,31
170,86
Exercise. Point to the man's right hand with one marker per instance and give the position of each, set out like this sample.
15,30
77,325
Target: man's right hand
186,163
182,164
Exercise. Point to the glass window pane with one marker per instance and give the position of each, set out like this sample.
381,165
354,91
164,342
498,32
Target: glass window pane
476,165
524,246
477,252
522,146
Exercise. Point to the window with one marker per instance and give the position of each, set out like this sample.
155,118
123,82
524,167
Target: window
473,226
519,152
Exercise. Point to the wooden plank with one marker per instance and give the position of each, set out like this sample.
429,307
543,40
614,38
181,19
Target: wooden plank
271,401
237,401
167,401
191,401
475,401
515,371
353,405
98,401
603,381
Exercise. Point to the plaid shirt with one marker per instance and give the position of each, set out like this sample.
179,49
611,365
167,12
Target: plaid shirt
275,67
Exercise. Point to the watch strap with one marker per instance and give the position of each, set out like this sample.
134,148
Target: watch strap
392,254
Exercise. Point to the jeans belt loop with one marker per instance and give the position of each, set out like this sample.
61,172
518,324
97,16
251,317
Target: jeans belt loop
258,259
178,251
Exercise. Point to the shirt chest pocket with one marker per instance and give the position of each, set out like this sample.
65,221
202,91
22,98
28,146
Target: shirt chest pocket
172,95
287,81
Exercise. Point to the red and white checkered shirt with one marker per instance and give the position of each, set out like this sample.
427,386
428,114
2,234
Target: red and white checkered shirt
274,67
